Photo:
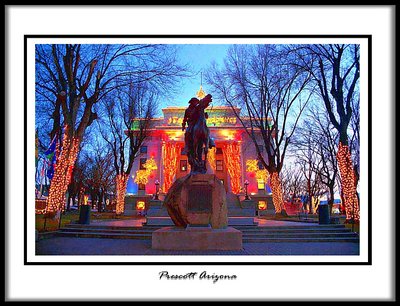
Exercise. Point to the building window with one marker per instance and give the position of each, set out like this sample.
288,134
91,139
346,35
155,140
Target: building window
143,149
219,165
142,187
183,165
218,151
141,164
260,184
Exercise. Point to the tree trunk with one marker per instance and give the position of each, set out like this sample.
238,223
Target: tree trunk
122,181
331,200
348,188
70,196
62,174
101,201
277,194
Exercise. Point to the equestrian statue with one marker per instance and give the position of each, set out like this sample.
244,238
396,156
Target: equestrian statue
197,135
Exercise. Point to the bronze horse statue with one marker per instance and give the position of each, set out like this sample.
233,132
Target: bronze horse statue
200,138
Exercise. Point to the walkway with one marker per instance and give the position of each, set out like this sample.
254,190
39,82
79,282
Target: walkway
99,246
261,222
105,246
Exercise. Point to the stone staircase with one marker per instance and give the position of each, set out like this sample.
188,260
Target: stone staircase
251,233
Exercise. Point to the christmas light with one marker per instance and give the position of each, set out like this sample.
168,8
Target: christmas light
232,161
277,195
122,181
200,94
142,175
261,175
150,165
65,161
262,205
251,165
211,157
140,205
348,178
40,203
171,152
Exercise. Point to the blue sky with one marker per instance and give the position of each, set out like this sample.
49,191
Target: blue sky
199,57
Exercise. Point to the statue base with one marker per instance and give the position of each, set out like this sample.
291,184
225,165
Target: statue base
199,200
197,238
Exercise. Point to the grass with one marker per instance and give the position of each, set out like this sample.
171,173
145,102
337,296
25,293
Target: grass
355,229
43,224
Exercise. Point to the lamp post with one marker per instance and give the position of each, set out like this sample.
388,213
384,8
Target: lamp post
157,189
246,195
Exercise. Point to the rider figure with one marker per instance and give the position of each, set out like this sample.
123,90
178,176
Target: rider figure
190,119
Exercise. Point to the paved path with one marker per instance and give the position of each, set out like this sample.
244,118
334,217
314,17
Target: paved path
101,246
261,222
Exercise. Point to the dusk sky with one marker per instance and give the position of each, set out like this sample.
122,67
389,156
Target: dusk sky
199,57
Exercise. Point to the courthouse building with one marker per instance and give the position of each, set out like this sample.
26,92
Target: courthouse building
229,160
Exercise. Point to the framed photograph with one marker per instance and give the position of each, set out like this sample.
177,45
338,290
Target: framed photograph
104,116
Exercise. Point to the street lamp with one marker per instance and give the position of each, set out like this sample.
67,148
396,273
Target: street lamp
246,196
157,189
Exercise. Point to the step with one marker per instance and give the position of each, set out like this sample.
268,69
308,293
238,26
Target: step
104,235
279,239
255,231
299,235
88,230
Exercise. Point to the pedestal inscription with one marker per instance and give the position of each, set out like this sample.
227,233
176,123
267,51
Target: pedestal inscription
199,198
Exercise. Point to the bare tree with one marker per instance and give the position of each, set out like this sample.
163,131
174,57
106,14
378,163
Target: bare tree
326,138
337,73
355,141
99,174
125,128
263,80
310,164
292,182
77,77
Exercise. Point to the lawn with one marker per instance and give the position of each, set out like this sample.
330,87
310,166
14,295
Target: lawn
43,224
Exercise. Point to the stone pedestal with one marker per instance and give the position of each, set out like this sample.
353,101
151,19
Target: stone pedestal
197,205
197,199
197,238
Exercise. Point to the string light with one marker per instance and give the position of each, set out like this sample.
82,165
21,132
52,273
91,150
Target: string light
277,195
142,175
260,174
171,152
262,205
122,182
40,211
211,157
348,178
232,161
140,205
251,165
63,168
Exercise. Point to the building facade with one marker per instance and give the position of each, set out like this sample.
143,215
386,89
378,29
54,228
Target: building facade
233,160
